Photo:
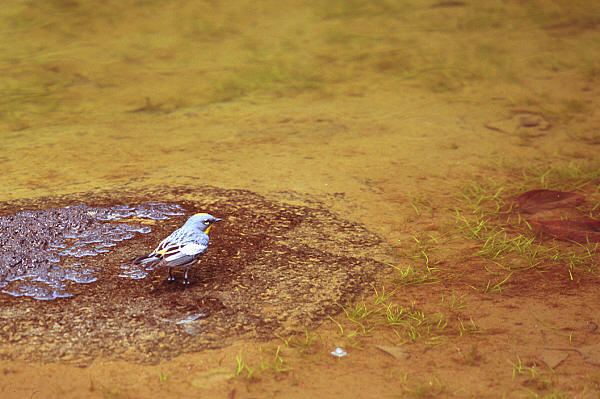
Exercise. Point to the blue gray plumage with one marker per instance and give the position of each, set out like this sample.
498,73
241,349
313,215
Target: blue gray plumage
182,248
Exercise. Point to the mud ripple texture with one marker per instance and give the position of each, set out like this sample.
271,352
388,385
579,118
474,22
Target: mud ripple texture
272,267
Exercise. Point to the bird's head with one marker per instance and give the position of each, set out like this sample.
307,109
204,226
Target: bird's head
202,221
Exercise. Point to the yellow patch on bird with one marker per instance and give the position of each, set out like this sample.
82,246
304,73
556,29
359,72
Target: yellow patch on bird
162,251
201,214
207,229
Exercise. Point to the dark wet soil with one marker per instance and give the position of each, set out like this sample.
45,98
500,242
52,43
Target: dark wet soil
272,267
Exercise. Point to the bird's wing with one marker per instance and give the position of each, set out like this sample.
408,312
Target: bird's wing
167,242
180,248
183,253
193,248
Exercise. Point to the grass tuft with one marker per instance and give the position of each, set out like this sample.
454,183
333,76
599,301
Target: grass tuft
505,243
269,360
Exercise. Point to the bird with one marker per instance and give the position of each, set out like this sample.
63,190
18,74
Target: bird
183,247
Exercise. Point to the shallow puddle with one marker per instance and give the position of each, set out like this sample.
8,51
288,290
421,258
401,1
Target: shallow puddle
44,250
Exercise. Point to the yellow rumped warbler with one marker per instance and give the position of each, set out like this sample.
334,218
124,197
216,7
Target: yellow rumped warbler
183,247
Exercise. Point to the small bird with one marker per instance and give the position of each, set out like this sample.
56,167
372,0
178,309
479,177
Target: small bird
183,247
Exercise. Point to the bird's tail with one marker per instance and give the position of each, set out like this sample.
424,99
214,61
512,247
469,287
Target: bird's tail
145,259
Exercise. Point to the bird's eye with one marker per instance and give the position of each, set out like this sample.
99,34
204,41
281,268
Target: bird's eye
206,222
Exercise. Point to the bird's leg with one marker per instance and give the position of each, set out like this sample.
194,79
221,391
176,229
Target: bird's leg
185,276
171,278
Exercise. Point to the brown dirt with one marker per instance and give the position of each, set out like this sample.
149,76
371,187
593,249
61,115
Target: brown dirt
346,112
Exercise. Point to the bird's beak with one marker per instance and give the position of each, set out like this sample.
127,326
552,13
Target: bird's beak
218,220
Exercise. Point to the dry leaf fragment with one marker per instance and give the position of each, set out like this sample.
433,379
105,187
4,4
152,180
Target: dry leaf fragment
591,354
552,357
537,200
394,351
580,230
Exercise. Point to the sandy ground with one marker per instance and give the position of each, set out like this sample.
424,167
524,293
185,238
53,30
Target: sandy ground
380,111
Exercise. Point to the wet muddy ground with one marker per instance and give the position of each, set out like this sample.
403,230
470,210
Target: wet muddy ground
272,268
